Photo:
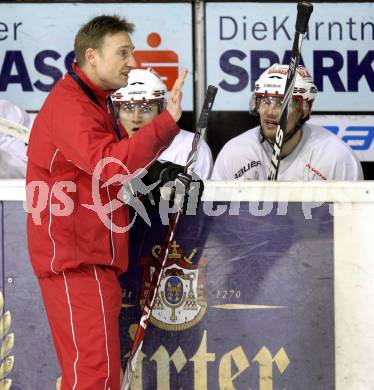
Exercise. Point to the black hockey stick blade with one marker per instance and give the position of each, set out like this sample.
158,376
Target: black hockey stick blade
208,103
304,10
201,126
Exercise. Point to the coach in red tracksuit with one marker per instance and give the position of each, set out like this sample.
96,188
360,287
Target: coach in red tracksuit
75,255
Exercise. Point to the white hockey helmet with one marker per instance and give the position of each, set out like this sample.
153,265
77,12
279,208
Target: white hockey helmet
272,82
144,86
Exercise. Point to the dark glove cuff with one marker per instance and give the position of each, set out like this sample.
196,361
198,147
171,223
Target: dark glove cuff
163,171
170,172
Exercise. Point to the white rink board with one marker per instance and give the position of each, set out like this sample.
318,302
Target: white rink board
353,210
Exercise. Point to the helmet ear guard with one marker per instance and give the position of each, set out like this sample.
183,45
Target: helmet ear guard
253,105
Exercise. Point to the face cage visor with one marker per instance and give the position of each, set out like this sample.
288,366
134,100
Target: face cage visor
277,101
145,105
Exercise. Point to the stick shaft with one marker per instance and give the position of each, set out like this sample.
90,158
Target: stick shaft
304,11
158,272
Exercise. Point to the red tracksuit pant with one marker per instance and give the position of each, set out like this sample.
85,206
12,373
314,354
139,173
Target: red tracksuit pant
83,307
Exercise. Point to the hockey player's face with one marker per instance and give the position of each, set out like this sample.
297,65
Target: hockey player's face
113,61
134,116
270,109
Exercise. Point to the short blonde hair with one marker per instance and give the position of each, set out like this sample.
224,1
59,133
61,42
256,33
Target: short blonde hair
92,34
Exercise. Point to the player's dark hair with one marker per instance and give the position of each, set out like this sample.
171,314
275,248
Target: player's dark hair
92,34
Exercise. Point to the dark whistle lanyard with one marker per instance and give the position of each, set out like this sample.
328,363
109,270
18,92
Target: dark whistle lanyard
88,91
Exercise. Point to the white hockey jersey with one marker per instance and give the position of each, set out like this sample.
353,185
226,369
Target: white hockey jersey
320,155
179,150
13,159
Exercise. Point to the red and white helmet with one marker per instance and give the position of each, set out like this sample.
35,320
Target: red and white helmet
144,86
272,82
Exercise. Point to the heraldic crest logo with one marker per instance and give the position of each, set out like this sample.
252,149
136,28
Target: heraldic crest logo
180,302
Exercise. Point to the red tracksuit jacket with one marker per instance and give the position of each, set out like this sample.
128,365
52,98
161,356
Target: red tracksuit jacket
70,136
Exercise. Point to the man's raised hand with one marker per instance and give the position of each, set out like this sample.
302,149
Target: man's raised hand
175,98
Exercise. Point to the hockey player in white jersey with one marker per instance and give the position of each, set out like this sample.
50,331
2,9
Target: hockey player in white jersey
309,152
141,101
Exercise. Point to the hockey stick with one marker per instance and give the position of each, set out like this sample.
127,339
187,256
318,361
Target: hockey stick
14,129
304,11
174,218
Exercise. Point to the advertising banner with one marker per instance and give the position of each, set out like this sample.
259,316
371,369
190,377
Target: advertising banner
245,302
243,39
37,42
271,290
356,130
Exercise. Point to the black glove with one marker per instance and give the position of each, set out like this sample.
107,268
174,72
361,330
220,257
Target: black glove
163,171
182,188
